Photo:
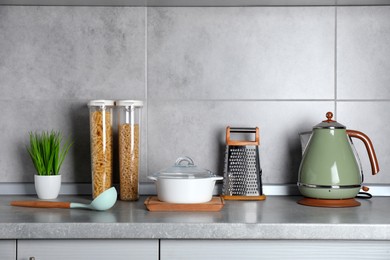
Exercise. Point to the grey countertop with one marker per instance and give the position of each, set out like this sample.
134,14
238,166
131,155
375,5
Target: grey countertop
278,217
195,2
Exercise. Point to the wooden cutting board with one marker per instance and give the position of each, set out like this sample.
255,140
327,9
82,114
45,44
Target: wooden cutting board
153,204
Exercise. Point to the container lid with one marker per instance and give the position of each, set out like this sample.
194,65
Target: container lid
101,102
329,123
126,103
184,168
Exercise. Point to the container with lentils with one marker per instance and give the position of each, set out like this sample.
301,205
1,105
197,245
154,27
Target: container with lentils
101,134
129,127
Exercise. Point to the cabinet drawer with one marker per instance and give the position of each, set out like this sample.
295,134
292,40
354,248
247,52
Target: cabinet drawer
7,249
87,249
273,249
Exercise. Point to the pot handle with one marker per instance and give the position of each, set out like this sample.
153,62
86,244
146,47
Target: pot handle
370,149
180,160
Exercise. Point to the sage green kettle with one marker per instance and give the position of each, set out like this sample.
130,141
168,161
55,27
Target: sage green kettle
329,169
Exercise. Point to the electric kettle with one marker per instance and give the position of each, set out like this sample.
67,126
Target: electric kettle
329,173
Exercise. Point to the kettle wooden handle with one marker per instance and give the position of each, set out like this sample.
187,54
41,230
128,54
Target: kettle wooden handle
370,149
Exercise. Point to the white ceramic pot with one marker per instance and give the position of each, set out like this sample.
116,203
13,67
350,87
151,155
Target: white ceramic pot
47,186
185,183
185,190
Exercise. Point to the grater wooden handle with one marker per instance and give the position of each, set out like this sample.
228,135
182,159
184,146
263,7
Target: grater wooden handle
254,130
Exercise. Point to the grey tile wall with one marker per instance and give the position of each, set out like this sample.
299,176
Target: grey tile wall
241,53
229,68
373,119
279,68
52,61
363,47
197,129
72,52
363,80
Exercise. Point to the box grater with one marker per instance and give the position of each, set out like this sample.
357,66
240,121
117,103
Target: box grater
242,171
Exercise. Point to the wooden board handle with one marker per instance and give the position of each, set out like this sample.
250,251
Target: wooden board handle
41,204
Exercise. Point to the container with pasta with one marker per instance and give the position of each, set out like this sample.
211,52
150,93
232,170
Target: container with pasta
101,135
129,121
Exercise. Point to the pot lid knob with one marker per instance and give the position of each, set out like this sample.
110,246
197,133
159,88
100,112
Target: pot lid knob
184,159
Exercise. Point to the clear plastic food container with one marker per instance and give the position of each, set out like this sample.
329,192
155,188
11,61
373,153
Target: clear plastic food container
101,134
129,127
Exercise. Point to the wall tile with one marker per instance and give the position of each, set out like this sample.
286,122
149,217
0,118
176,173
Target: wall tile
363,51
371,118
197,129
70,117
72,52
241,53
53,60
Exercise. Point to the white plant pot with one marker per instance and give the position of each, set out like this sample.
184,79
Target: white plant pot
47,187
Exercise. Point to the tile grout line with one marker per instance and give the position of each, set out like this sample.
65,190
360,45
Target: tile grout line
146,87
271,100
335,64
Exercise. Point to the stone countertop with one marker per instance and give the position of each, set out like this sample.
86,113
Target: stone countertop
278,217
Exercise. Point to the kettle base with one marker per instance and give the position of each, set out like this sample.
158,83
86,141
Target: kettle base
329,203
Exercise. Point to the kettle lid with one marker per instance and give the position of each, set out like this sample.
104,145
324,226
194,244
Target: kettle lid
329,123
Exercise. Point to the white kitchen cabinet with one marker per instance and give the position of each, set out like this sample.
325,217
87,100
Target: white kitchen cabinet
7,249
274,249
87,249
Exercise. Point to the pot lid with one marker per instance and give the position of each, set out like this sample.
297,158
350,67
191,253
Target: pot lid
184,168
329,123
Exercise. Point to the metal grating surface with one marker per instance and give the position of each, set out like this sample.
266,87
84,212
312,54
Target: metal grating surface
242,171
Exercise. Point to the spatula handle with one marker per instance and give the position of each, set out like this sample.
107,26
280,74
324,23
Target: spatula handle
41,204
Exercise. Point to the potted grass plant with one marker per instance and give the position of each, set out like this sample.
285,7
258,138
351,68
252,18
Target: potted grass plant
47,155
